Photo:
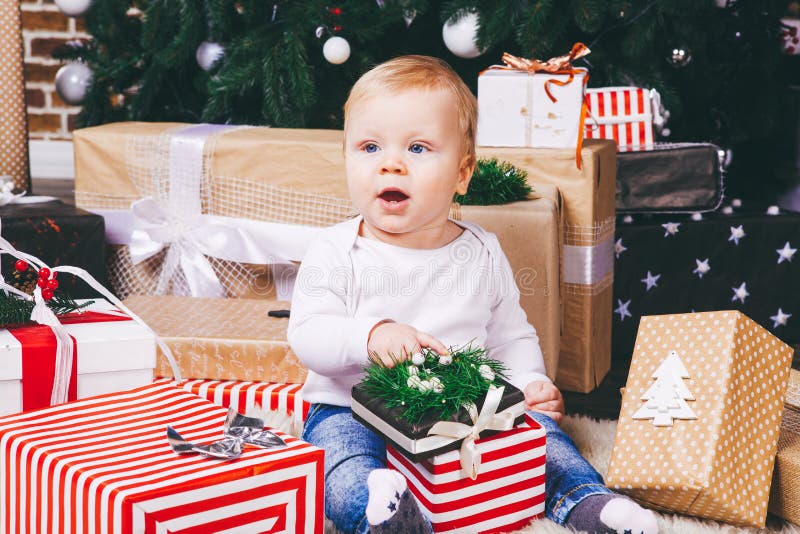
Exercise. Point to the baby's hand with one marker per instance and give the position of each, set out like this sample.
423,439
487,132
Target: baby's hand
395,342
544,397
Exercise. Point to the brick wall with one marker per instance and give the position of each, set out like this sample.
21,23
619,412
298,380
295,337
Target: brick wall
44,28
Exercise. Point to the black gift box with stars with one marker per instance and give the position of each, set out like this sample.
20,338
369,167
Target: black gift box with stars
729,259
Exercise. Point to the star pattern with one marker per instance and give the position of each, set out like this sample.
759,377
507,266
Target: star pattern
651,281
702,267
784,254
737,232
670,228
619,248
740,293
780,318
622,309
747,260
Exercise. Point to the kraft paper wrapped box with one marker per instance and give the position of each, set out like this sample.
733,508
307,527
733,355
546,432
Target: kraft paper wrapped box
104,464
221,339
289,177
701,411
14,136
587,251
783,500
28,358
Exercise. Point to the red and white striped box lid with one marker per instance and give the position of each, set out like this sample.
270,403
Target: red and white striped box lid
624,114
243,396
103,464
507,494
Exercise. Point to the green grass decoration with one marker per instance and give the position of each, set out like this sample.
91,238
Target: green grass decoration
462,381
15,310
495,182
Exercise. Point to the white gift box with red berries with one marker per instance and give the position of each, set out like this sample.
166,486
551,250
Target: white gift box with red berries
111,353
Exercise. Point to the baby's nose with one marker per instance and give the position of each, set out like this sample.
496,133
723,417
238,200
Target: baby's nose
393,165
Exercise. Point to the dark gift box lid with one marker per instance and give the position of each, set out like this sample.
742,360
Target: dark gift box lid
412,439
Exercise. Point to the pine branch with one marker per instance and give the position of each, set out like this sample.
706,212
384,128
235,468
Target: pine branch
15,310
495,182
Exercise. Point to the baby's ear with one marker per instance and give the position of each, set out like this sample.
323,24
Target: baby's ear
465,174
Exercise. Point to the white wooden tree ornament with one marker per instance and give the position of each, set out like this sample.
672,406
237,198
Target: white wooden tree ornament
666,398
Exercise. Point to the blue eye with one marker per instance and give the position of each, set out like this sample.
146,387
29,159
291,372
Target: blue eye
416,148
370,148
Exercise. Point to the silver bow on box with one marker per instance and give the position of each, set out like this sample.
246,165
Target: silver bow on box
238,431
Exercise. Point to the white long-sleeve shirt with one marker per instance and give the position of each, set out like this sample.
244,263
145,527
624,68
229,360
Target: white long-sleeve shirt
461,293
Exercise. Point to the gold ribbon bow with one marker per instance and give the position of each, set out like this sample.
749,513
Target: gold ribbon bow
555,65
487,419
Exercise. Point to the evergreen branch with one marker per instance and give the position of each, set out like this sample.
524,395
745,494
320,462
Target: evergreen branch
15,310
462,382
495,182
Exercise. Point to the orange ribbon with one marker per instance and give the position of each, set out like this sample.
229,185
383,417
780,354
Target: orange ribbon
556,65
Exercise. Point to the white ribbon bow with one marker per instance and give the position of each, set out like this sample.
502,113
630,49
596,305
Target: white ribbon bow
488,419
43,315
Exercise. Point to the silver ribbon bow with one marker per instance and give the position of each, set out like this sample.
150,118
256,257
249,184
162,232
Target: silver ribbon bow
487,419
238,431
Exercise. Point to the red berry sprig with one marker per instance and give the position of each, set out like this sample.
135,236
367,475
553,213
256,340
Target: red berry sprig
21,265
47,283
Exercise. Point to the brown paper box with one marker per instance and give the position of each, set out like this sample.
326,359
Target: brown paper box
295,176
719,465
784,499
589,196
221,339
14,137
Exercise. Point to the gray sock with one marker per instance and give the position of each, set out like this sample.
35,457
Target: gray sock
407,519
611,513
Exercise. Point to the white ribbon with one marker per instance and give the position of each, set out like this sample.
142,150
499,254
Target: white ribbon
588,265
43,315
190,237
487,419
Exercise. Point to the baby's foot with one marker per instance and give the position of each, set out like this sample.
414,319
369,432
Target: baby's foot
611,513
391,507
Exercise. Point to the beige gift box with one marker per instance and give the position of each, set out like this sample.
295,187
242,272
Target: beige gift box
784,499
221,339
587,252
717,465
296,177
14,136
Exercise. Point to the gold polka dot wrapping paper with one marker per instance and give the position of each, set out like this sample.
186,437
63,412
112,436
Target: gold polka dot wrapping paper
14,133
718,465
784,498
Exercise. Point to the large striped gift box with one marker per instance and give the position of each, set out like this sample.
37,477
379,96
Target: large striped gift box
244,396
104,465
507,494
623,114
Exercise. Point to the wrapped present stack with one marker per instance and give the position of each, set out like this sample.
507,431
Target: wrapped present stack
701,412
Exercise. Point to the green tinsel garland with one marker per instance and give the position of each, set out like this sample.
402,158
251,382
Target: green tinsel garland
495,182
461,379
15,310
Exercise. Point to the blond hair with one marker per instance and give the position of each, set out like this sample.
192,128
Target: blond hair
420,72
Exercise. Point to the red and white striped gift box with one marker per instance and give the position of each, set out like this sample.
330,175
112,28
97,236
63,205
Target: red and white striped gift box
103,465
243,396
507,494
621,113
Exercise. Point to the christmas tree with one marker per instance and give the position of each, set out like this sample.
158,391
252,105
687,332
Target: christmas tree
718,64
666,398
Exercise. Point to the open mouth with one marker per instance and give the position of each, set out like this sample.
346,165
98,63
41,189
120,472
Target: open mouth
392,195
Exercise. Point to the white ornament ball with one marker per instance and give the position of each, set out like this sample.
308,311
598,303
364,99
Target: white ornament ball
72,81
727,210
74,8
418,358
736,202
773,210
447,359
336,50
460,36
208,53
697,216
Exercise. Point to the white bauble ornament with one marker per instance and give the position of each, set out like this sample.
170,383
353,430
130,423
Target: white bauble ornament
336,50
418,358
208,53
72,80
460,36
74,8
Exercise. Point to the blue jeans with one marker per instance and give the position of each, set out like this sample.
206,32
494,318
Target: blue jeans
352,451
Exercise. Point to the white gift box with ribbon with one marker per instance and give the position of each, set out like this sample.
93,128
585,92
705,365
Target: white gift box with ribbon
515,111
